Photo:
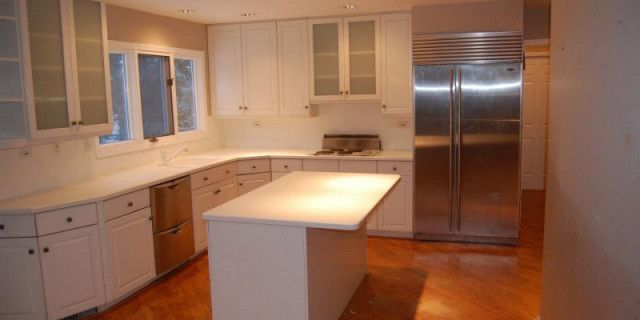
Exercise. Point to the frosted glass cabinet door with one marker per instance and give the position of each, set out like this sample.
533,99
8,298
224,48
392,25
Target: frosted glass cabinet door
87,17
362,61
326,44
12,125
47,65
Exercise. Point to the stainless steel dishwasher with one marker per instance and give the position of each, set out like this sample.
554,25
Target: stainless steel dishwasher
172,224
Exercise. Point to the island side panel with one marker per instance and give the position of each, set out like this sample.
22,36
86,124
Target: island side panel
336,265
257,271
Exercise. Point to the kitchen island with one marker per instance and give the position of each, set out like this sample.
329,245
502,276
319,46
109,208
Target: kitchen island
292,249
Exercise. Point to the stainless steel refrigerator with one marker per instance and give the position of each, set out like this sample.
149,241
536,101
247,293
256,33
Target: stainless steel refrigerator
467,150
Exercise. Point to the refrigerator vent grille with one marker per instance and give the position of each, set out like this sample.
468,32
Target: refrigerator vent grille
478,47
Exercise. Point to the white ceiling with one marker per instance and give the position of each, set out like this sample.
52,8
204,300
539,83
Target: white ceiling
220,11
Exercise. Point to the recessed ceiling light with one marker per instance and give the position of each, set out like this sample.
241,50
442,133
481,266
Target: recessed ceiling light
248,14
187,11
349,6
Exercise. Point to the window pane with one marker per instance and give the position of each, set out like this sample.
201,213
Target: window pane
185,94
155,95
119,100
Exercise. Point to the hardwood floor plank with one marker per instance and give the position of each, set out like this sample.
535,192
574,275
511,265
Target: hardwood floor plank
407,280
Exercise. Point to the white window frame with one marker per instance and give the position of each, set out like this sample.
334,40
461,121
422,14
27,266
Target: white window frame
137,142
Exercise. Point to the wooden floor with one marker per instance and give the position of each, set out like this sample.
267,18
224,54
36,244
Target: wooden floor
408,280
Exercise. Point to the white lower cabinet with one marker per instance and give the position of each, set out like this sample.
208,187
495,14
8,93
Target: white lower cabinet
21,297
320,165
396,212
72,271
206,198
251,182
130,260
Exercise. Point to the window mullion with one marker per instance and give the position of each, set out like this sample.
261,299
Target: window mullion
135,96
174,100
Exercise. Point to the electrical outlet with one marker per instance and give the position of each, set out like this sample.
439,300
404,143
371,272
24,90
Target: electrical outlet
55,148
25,153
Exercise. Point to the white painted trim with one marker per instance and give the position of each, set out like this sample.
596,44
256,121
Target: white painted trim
536,42
138,143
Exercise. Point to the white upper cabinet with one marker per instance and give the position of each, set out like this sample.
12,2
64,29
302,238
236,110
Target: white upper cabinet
244,69
225,56
293,67
345,59
65,68
12,100
397,93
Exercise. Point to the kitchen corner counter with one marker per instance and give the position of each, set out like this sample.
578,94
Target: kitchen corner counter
111,185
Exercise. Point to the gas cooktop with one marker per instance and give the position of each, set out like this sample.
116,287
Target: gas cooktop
346,152
350,145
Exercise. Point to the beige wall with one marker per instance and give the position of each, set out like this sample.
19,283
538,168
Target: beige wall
136,26
536,23
592,233
505,15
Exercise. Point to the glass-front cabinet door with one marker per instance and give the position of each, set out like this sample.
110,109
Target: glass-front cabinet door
362,58
328,64
345,59
66,72
12,102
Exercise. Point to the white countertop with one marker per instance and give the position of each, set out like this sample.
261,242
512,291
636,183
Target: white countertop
118,183
326,200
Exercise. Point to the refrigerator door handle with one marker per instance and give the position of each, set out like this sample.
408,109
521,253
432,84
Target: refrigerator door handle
452,147
459,149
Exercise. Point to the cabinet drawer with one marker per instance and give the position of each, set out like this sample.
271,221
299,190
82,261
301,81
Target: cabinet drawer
276,175
286,165
250,182
22,225
66,219
320,165
358,166
213,175
404,168
254,166
130,202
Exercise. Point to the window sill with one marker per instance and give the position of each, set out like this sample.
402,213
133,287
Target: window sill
116,149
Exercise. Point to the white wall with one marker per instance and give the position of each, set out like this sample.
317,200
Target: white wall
76,160
592,232
307,132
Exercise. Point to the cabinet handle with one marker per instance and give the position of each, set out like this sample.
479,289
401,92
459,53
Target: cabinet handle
153,139
286,166
130,204
31,251
69,219
81,123
395,169
240,183
150,218
217,191
1,226
46,249
73,123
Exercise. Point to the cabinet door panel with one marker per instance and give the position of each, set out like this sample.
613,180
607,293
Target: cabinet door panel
21,297
203,200
396,64
396,213
72,271
293,64
49,68
130,249
362,55
225,56
251,182
259,68
327,63
90,63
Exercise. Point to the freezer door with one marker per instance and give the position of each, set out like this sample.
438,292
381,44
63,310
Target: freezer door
489,153
434,112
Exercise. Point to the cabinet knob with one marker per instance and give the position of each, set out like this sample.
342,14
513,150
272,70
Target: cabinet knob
73,123
130,204
240,107
81,122
306,107
227,172
286,166
341,92
240,183
217,191
346,92
1,226
384,106
69,219
253,167
205,178
246,108
31,251
395,169
46,249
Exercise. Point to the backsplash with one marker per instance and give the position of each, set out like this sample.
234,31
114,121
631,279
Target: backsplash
291,132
